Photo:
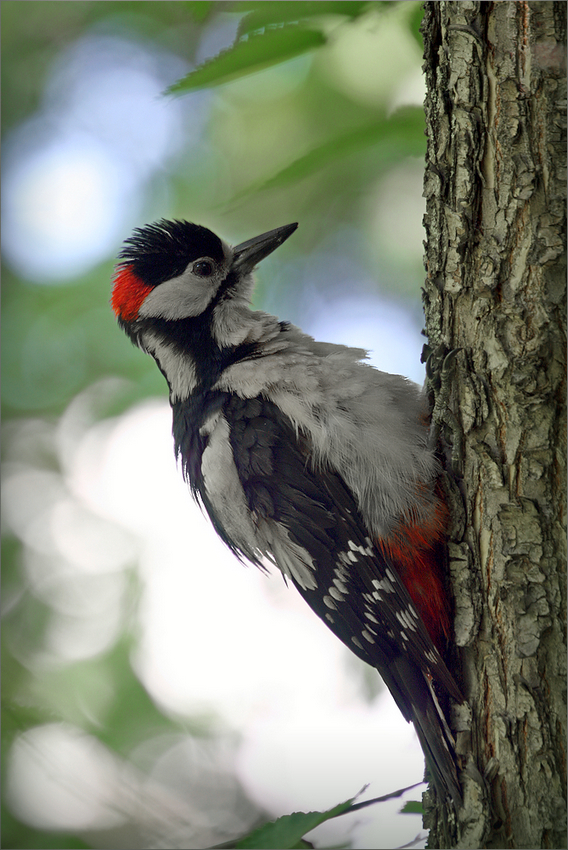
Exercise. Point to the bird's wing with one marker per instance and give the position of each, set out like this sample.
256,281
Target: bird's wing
315,533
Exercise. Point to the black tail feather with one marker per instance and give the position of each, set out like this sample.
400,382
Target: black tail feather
417,701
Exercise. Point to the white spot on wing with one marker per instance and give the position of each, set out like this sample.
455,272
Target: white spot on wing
405,620
431,656
341,586
354,547
383,584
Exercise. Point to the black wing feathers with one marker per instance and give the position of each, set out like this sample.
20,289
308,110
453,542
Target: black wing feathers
321,515
358,593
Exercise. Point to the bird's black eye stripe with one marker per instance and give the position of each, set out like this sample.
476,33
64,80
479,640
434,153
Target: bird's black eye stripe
203,267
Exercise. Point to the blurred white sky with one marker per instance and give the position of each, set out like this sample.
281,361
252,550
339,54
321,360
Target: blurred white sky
214,635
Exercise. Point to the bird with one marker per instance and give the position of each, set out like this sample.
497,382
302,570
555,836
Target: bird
305,457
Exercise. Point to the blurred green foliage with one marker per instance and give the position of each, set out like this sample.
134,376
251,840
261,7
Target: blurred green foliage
288,138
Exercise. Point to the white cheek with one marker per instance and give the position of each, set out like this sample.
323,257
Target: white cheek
179,297
186,295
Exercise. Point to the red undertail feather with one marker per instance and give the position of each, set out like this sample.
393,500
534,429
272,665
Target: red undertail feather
417,551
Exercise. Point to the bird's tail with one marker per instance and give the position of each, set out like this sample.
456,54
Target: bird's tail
416,699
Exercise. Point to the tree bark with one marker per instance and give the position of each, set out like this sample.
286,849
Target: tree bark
495,292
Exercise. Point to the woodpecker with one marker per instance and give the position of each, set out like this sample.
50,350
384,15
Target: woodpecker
303,456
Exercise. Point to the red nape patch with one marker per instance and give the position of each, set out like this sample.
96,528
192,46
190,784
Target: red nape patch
128,293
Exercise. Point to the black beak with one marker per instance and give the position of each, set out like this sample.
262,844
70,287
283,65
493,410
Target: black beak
249,253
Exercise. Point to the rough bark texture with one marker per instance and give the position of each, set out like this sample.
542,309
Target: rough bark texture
495,290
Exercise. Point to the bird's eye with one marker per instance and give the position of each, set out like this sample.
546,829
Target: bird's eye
203,268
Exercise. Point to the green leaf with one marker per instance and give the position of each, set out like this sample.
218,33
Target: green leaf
263,14
412,807
287,831
400,136
249,55
199,9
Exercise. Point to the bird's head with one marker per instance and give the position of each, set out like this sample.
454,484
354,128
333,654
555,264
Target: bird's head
174,270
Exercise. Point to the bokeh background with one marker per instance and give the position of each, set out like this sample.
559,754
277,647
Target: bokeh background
155,692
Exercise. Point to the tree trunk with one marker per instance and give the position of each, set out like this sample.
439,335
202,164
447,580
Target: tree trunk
495,291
